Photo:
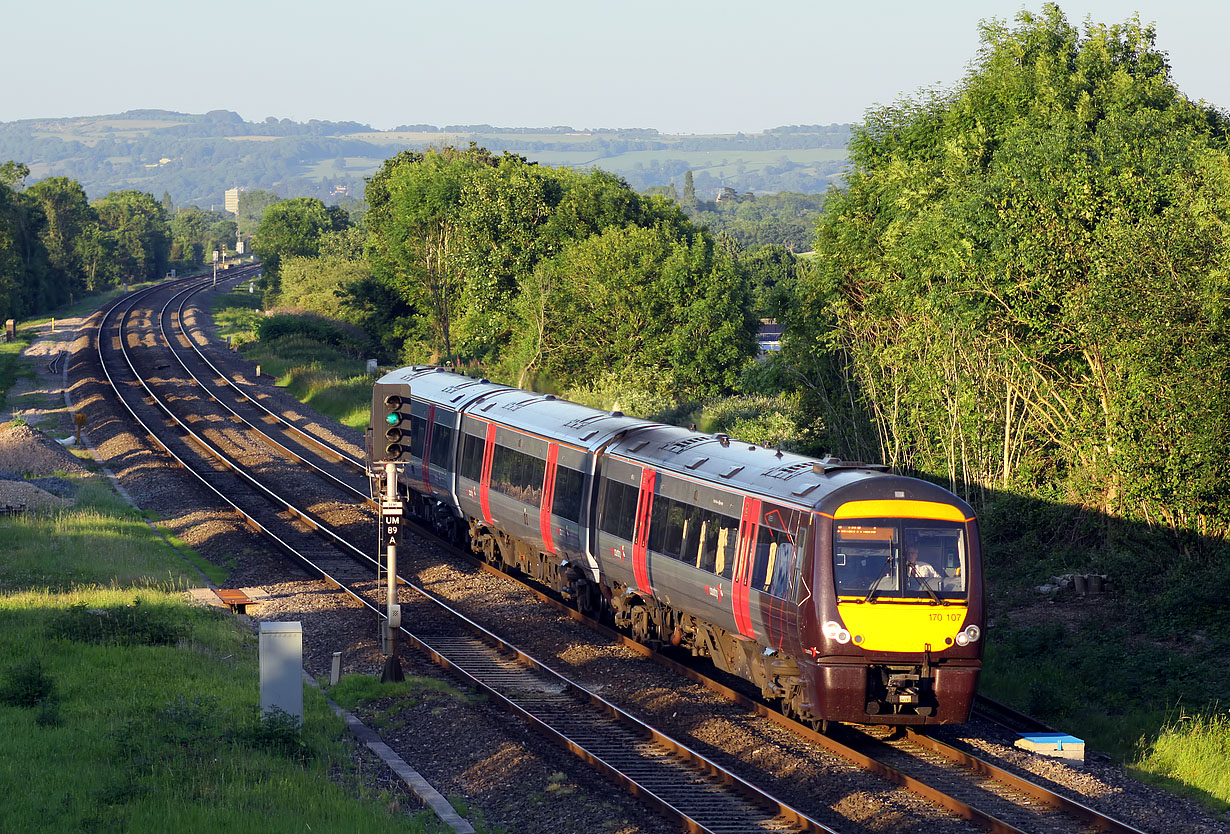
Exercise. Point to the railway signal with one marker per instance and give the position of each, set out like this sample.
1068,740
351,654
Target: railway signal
396,426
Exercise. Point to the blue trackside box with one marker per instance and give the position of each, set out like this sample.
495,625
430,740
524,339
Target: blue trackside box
1059,745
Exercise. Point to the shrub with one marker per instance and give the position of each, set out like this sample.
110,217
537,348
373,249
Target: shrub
349,340
27,685
764,420
129,625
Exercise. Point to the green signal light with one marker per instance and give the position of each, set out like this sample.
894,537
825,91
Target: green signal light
393,419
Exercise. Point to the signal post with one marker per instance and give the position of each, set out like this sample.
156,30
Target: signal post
391,516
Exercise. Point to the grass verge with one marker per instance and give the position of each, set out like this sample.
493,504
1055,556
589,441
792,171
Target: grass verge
316,374
124,708
11,366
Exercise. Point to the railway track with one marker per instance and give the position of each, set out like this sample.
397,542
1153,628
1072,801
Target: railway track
645,761
183,418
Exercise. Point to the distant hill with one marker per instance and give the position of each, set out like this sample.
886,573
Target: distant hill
196,157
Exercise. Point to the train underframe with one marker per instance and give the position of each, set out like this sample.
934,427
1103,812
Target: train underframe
651,622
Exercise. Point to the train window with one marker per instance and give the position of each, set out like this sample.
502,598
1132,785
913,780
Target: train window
569,485
472,448
727,541
666,526
896,558
441,440
658,523
517,475
718,536
418,435
619,509
771,566
937,556
693,535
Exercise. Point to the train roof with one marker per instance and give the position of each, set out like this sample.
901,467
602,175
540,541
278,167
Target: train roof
738,465
716,459
541,414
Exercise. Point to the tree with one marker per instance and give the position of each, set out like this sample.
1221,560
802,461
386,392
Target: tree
689,201
141,233
1023,283
252,205
290,228
414,213
65,212
674,307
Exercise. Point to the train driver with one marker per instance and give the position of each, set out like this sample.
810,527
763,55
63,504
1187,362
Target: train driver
920,569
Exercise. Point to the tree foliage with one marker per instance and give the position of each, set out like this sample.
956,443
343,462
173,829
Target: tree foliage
543,271
1024,285
54,245
290,228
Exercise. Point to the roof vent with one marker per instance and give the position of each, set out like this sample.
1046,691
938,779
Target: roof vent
617,414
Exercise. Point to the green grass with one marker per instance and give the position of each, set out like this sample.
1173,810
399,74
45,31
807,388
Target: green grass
236,315
1190,755
100,541
316,374
141,734
1112,683
12,367
124,708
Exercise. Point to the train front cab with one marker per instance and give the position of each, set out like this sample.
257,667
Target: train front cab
895,642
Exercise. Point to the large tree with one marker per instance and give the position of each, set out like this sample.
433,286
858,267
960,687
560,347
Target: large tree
1024,282
461,236
676,308
290,228
140,231
65,213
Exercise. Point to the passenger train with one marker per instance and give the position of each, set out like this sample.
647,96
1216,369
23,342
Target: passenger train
842,591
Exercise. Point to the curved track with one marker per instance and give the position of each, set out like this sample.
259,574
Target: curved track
185,420
211,425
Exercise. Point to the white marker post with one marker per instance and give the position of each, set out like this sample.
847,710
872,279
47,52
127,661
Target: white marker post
391,512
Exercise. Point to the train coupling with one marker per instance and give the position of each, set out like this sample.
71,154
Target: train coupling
896,691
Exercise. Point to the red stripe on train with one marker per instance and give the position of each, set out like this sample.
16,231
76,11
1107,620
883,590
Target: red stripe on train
548,497
640,535
741,598
484,481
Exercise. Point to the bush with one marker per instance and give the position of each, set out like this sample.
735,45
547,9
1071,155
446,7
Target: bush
127,625
27,685
636,391
349,340
275,731
764,420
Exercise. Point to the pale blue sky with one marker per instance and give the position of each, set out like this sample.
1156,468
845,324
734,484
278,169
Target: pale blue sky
687,66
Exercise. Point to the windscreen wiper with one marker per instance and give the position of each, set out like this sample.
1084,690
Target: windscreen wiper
888,572
922,580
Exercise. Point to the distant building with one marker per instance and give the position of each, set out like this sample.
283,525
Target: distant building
339,191
769,337
232,201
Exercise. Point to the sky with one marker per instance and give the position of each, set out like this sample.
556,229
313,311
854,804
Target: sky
680,66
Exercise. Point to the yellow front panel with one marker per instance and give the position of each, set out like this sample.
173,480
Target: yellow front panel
901,627
896,508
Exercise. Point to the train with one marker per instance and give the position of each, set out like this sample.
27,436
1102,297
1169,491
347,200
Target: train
842,591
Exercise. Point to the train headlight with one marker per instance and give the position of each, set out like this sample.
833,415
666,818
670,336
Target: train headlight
970,634
834,631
